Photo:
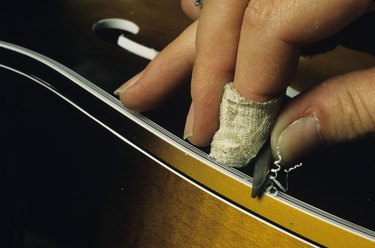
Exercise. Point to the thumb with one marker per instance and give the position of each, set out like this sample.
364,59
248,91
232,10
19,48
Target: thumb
338,110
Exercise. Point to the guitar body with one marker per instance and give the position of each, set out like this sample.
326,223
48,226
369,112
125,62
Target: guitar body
82,171
73,183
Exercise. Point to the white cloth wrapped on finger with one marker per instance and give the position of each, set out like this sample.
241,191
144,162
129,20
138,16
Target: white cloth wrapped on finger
245,125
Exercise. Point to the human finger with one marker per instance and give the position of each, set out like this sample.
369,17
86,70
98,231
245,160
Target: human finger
217,40
191,9
340,109
272,33
162,76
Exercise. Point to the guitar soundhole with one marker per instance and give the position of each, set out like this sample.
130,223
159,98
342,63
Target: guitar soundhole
115,31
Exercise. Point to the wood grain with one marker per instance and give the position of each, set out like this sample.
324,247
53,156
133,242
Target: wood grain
167,211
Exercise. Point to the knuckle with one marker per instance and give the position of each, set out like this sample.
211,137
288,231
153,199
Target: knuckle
259,13
357,114
272,17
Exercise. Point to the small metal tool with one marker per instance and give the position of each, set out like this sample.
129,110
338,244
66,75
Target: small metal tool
262,164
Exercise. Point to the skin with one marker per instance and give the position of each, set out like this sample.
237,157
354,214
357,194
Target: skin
257,45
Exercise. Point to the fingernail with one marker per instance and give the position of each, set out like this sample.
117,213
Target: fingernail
188,131
124,87
298,139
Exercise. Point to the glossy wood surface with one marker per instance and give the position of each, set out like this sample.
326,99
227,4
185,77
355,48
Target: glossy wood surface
71,183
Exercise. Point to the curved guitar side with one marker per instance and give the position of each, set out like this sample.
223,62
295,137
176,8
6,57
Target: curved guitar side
181,196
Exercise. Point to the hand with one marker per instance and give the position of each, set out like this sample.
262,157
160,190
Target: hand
257,44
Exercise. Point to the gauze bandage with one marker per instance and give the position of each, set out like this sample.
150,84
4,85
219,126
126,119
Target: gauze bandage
244,127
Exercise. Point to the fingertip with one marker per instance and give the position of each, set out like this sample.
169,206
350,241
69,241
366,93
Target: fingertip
136,95
207,99
200,141
189,8
204,128
128,84
194,132
189,124
162,76
298,139
129,95
130,103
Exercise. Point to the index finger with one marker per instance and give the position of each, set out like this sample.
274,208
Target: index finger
217,41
